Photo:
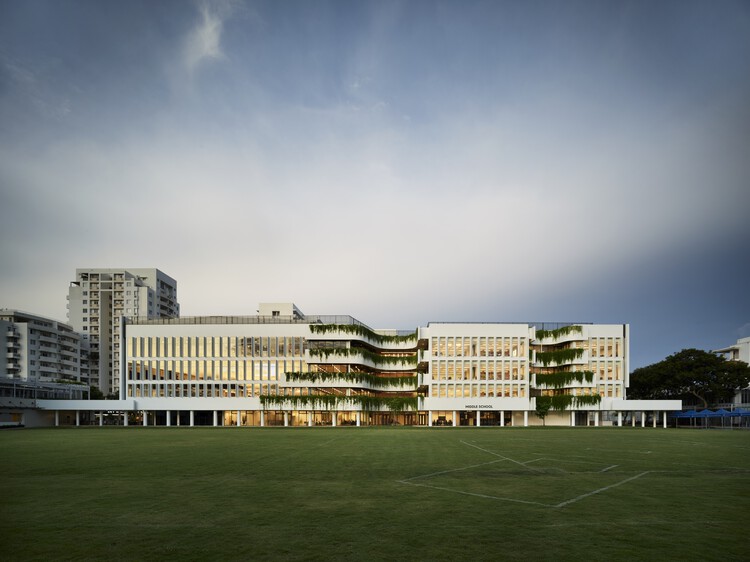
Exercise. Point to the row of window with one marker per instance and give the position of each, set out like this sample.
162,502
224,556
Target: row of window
212,370
218,346
604,390
478,391
478,346
200,390
478,370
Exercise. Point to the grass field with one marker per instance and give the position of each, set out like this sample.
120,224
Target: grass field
374,493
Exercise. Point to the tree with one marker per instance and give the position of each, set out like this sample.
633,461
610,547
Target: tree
95,393
543,405
690,372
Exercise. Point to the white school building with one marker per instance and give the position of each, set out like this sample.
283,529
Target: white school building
284,368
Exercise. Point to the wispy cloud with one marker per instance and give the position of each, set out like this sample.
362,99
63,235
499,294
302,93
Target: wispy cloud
32,89
203,43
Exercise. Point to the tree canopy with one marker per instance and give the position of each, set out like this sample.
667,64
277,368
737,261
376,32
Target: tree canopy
690,372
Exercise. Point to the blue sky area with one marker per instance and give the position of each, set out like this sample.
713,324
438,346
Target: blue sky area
402,162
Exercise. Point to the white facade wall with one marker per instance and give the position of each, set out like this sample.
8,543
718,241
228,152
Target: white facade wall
210,360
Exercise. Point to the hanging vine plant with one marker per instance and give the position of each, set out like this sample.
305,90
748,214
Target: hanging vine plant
560,380
359,330
332,402
358,378
559,332
558,356
562,402
375,358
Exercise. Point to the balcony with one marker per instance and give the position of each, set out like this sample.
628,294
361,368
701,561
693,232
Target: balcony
406,383
559,357
356,356
558,336
578,379
395,341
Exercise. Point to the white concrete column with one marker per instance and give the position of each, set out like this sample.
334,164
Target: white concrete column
643,419
192,418
333,419
286,419
654,420
455,419
502,418
619,419
664,420
262,418
178,418
526,418
479,419
125,418
632,421
239,418
359,419
216,418
596,419
145,417
572,418
78,418
57,418
101,419
429,418
309,419
169,418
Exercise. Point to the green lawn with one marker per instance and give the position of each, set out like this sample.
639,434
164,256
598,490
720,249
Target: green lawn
374,493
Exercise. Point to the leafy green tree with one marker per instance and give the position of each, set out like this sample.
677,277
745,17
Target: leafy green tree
691,372
95,393
543,405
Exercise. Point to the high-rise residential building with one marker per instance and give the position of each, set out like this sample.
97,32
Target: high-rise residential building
100,297
39,357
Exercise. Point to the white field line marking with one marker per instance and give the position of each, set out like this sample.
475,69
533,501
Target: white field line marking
502,457
406,480
475,495
562,460
582,496
609,468
617,451
681,522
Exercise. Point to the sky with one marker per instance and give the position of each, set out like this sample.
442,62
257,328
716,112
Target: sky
400,162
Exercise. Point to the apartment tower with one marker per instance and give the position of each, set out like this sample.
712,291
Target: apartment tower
99,298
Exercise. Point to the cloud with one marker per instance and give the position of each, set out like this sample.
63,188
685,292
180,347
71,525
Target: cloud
203,43
29,87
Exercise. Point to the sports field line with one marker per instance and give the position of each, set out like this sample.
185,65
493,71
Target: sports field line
586,495
484,496
502,457
617,450
406,480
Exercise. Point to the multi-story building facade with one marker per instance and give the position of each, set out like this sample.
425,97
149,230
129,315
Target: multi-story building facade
39,358
282,367
99,298
740,351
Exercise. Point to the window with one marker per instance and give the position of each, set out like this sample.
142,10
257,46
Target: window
275,313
